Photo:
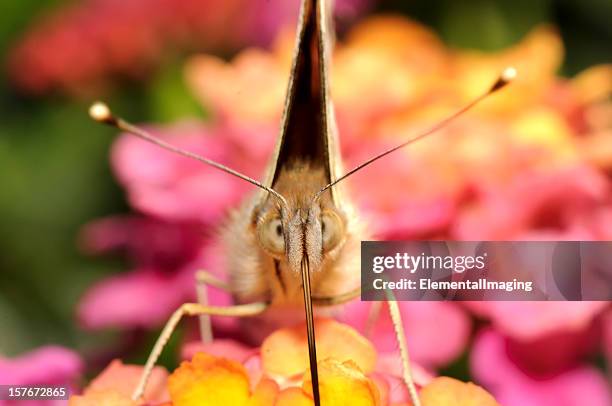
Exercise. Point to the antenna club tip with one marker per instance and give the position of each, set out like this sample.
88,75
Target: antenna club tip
509,74
100,112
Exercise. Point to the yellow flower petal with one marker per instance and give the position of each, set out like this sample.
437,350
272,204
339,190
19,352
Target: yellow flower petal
343,384
209,381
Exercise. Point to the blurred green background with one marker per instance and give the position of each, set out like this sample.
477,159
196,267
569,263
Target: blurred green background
55,176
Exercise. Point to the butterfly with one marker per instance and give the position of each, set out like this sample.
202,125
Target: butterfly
294,244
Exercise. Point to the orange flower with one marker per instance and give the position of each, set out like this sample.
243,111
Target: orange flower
208,380
343,352
392,75
389,65
347,361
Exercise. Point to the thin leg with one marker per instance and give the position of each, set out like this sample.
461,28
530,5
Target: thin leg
336,300
206,334
398,326
190,309
212,280
373,316
203,280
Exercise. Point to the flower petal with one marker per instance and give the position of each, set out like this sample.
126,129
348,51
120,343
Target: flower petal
285,352
107,397
491,364
207,380
123,379
444,391
293,397
175,188
343,383
265,393
142,298
530,320
226,348
436,332
44,365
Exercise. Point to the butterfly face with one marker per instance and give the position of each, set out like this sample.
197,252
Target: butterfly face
281,237
309,228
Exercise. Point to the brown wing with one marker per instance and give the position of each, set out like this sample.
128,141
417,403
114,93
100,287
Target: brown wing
308,128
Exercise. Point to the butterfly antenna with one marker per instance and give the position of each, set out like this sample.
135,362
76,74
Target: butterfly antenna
101,113
312,348
506,77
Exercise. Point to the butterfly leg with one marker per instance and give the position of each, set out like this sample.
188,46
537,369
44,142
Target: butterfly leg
398,326
374,311
203,280
190,309
336,300
211,280
373,315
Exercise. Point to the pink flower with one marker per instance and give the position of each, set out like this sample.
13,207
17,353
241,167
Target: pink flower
436,332
176,188
546,343
183,198
164,256
49,365
492,366
115,384
142,298
607,323
413,210
144,240
555,202
526,321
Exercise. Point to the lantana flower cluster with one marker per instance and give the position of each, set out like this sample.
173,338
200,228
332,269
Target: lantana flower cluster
277,374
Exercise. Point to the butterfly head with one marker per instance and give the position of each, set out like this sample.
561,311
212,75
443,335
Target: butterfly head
306,228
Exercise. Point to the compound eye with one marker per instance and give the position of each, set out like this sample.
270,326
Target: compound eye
332,229
272,237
